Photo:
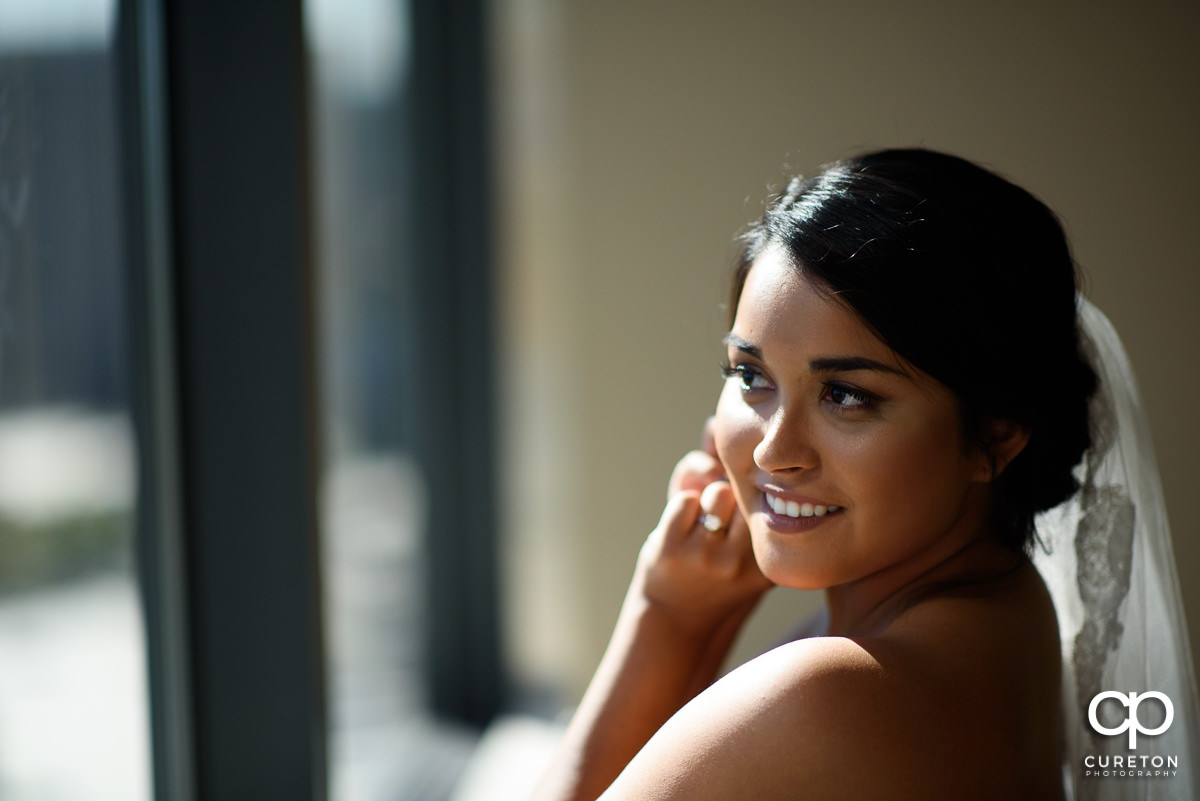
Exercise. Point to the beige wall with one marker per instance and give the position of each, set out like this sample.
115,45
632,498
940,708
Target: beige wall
637,137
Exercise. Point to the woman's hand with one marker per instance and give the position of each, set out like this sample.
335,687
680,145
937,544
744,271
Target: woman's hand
691,592
697,566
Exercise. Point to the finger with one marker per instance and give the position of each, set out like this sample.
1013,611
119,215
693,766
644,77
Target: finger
695,471
717,503
679,516
738,532
738,539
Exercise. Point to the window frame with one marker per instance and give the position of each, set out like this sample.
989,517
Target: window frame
218,181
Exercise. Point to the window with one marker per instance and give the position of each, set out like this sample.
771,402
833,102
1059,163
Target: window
236,555
72,679
403,299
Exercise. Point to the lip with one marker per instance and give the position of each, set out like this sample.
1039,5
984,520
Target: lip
792,525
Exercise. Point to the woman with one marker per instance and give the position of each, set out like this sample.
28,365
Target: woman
905,390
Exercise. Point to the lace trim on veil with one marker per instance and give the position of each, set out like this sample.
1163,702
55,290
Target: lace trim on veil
1106,559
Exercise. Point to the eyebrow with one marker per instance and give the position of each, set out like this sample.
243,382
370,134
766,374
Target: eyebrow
829,364
742,345
847,364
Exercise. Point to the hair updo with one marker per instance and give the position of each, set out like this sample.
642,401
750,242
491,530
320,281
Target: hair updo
967,277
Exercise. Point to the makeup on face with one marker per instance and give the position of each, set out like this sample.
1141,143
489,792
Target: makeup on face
844,459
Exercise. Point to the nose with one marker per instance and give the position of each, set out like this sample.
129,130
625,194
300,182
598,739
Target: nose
786,444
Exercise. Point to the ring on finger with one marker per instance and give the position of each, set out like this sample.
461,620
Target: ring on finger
712,522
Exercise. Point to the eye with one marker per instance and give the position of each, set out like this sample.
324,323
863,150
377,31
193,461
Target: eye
749,377
847,398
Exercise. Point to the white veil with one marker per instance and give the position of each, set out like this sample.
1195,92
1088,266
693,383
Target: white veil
1106,557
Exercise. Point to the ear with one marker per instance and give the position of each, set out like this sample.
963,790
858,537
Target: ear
1002,441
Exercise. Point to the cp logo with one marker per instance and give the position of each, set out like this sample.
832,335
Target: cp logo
1132,724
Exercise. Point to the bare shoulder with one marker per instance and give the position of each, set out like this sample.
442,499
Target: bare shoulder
817,718
956,700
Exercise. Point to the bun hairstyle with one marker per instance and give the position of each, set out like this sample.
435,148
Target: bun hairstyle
969,278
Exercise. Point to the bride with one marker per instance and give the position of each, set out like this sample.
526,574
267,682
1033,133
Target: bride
906,389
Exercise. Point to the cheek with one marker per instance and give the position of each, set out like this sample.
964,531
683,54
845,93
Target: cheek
736,433
912,472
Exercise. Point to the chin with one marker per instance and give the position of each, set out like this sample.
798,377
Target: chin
783,571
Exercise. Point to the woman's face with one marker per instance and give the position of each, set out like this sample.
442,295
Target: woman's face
845,459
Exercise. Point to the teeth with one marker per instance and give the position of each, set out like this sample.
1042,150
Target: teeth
796,509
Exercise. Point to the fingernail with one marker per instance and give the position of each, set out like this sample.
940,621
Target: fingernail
708,498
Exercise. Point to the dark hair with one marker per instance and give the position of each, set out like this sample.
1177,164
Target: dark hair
970,279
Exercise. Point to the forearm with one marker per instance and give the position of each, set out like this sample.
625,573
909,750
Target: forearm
652,667
692,589
717,652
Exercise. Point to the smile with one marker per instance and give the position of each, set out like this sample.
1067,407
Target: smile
796,509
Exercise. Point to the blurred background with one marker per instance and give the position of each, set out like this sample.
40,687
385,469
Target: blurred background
346,346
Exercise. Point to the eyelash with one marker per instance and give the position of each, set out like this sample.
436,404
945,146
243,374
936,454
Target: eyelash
742,371
862,399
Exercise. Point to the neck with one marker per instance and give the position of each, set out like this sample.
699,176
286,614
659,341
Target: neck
967,555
